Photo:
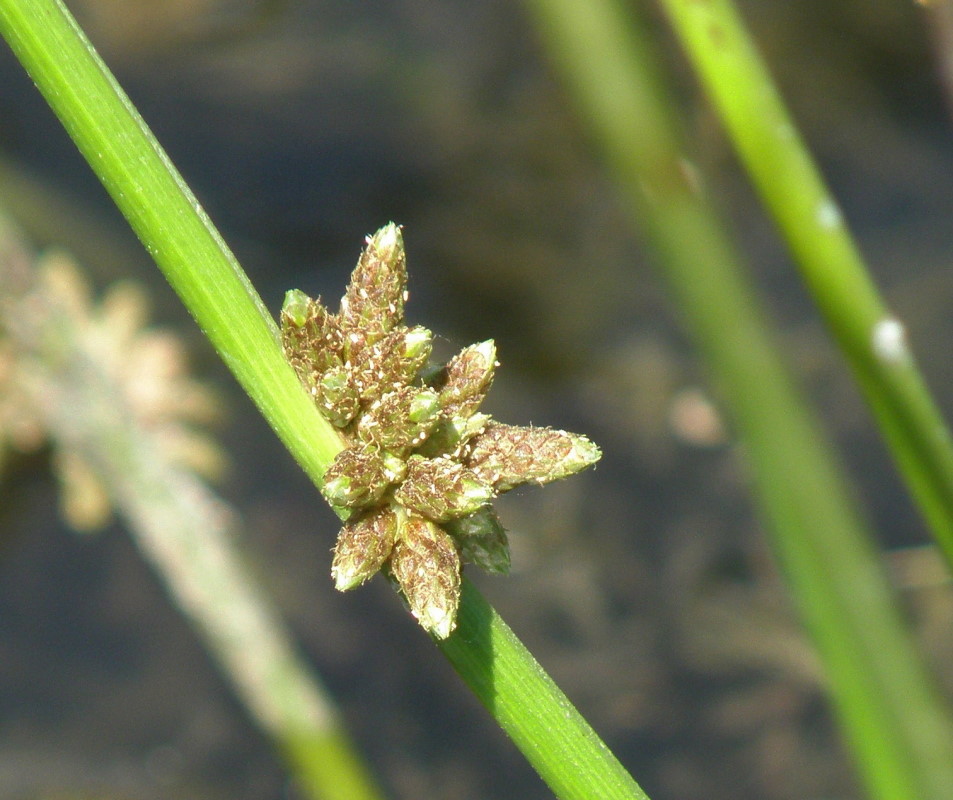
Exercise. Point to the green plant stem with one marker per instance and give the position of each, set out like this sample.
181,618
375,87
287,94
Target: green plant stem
888,707
506,678
195,260
738,84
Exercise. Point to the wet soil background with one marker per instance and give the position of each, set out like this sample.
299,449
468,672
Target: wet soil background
646,588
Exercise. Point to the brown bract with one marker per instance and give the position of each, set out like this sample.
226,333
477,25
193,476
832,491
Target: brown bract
422,464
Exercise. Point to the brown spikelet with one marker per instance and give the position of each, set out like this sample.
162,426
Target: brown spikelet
388,363
363,545
469,375
358,478
506,456
400,419
374,301
426,565
441,489
309,335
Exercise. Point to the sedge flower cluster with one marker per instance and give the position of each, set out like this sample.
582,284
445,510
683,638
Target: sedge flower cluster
422,463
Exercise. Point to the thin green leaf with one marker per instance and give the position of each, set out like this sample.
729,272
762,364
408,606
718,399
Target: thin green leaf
555,739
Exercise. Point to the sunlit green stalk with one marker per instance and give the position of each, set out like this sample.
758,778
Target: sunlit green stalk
739,86
195,260
539,718
888,707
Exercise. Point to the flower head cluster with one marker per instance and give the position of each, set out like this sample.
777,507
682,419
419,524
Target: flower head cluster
48,315
422,464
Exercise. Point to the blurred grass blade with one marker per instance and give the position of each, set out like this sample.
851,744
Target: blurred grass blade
889,710
739,86
168,220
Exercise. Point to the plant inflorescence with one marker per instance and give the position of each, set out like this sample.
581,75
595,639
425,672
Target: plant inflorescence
421,464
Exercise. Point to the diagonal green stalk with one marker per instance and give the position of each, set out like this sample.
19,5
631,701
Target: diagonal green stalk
740,88
888,708
554,738
198,265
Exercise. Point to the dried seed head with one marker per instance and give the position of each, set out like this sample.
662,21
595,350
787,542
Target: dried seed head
426,565
441,489
363,545
506,456
420,456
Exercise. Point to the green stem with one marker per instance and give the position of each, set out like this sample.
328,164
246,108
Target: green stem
791,187
538,717
195,260
889,709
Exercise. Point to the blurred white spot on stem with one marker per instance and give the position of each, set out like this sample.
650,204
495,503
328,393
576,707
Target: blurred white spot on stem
828,215
889,340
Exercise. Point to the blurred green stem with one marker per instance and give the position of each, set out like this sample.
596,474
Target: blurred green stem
195,260
889,709
739,86
180,526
